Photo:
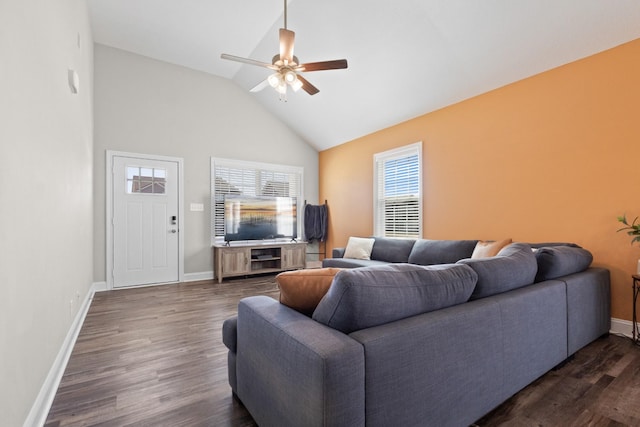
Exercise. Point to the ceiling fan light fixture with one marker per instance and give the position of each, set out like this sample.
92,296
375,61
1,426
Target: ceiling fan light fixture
274,80
290,77
282,88
296,84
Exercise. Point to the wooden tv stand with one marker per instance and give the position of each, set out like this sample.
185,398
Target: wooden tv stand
244,259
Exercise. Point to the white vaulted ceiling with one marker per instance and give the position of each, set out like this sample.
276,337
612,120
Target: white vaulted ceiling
406,57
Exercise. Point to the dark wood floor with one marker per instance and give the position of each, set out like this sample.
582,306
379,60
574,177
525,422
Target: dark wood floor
154,357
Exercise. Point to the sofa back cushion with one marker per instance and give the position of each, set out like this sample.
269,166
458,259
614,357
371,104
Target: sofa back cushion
370,296
514,266
549,244
431,252
391,250
557,261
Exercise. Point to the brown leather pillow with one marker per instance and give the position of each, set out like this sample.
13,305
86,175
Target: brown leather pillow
489,248
302,290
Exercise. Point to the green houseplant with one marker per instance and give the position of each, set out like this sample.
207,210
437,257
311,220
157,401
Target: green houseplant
632,229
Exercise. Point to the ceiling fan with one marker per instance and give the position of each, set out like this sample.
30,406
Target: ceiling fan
287,66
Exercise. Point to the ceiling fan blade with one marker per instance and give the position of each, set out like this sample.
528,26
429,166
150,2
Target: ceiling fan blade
286,45
308,87
323,65
248,61
263,84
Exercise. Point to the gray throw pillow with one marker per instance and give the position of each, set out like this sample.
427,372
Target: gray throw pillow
364,297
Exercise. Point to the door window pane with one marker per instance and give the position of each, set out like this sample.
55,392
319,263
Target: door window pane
145,180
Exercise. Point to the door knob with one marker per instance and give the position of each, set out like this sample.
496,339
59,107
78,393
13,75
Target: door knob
174,230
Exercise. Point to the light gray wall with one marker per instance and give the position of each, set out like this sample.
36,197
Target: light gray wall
46,201
146,106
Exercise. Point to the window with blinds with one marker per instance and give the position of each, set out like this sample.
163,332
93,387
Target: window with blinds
250,179
398,192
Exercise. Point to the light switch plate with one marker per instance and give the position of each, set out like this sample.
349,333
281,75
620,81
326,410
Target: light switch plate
197,207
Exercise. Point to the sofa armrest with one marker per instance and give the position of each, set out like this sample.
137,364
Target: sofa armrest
230,333
230,340
337,252
294,371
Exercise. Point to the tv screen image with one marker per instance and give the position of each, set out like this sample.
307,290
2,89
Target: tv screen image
259,218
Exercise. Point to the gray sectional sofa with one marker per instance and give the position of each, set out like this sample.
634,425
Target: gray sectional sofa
400,343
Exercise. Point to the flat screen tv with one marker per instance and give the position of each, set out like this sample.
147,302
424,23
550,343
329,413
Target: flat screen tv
259,218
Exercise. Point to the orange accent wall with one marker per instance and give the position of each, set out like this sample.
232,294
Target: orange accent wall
554,157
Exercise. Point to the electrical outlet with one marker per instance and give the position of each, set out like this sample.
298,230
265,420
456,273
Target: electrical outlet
196,207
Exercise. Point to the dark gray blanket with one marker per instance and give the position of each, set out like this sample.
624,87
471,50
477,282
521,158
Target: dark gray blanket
315,222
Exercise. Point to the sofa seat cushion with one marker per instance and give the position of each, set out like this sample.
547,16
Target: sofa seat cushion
431,252
557,261
302,290
513,267
364,297
392,250
351,263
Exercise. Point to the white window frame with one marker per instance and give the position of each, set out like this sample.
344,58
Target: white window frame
296,189
379,160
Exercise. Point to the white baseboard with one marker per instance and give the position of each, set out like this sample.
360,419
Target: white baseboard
621,327
40,408
188,277
196,277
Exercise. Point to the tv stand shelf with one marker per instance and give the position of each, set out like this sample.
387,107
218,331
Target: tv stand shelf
244,259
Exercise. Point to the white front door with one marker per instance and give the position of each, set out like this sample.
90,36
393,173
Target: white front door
145,221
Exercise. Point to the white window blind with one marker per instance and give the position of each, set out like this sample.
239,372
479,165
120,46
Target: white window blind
398,192
250,179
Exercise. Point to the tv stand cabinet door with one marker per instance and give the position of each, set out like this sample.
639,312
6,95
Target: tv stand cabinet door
233,262
294,256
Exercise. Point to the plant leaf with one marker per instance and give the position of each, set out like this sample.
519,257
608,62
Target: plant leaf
632,229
